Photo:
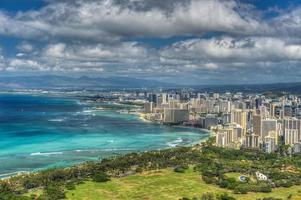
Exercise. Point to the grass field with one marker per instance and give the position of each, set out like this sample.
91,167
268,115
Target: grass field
164,184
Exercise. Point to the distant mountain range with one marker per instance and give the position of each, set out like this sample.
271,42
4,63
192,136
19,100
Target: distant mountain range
85,82
51,81
261,88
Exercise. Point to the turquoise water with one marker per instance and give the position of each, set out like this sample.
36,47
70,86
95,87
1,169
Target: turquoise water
38,132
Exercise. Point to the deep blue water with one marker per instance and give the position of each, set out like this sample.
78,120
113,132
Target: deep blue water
38,132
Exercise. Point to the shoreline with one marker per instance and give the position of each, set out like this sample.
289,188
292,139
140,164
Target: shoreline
139,117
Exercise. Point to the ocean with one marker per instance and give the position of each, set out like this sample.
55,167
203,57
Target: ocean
39,131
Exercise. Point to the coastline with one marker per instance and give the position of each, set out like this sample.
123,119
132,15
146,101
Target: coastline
209,132
172,143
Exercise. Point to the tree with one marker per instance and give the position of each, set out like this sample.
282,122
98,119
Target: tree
224,196
101,177
180,169
70,185
241,189
207,196
7,193
53,192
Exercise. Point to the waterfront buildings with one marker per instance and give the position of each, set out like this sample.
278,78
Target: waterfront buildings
237,120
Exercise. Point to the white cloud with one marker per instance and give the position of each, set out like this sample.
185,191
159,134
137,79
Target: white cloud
108,21
25,65
25,47
56,50
233,50
91,36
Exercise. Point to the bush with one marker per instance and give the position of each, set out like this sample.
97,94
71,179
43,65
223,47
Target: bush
232,183
207,196
70,186
180,169
101,177
265,188
53,192
207,179
7,193
241,189
224,196
223,183
139,169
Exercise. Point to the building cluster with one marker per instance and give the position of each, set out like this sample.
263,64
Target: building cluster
238,120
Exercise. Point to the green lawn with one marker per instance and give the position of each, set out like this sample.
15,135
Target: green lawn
164,184
235,175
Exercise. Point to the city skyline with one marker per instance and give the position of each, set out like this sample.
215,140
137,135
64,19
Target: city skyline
192,41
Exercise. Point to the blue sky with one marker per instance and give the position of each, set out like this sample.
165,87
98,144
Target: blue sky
193,41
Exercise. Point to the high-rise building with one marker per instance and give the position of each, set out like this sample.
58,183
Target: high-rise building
224,137
272,110
263,112
252,140
287,111
291,136
210,120
257,125
175,115
269,144
148,107
292,123
226,118
239,117
152,98
225,106
164,98
268,125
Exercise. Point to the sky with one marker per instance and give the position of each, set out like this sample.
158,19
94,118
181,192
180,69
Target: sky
177,41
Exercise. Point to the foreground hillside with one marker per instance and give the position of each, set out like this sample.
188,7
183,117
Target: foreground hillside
165,184
182,172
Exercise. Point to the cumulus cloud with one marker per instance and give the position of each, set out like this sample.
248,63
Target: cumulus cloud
25,47
233,50
26,65
118,58
99,37
109,20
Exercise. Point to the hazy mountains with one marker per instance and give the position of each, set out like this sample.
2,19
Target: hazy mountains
51,81
85,82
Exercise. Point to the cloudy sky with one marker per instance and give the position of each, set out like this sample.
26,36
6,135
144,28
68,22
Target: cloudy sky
187,41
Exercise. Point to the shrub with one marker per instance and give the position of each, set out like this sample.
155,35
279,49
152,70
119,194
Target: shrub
223,183
207,179
180,169
265,188
139,169
207,196
101,177
53,192
70,186
241,189
224,196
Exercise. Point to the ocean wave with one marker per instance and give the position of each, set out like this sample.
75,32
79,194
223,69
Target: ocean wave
116,149
57,120
46,154
174,143
88,111
7,175
101,150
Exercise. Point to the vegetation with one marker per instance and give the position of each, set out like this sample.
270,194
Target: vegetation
217,163
101,177
215,166
168,185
